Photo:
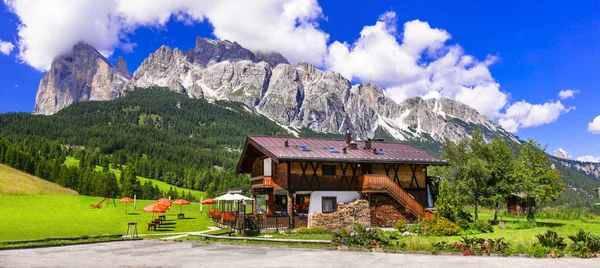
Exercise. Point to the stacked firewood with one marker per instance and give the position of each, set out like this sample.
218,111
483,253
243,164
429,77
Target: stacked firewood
345,217
385,212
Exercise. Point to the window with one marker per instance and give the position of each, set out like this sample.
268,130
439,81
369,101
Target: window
329,204
261,204
303,148
328,170
333,150
280,202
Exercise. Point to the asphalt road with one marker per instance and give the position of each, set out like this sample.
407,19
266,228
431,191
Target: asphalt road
174,254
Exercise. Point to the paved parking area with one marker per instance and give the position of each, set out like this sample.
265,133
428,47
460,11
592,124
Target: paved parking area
148,253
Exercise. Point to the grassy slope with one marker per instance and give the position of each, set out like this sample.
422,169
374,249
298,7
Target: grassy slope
13,181
163,186
42,216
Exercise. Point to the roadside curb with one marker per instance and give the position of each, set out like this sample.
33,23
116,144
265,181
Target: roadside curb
299,241
64,245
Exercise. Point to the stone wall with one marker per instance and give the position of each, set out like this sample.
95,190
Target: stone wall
346,215
385,211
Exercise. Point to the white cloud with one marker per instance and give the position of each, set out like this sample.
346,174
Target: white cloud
51,28
414,62
421,65
569,93
523,115
6,47
594,126
589,158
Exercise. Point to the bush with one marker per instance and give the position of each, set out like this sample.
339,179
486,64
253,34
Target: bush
585,245
482,226
463,224
551,240
312,230
361,237
444,227
400,226
476,245
539,251
416,228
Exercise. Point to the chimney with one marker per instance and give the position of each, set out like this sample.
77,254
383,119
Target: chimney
348,136
286,143
352,145
374,151
344,150
368,144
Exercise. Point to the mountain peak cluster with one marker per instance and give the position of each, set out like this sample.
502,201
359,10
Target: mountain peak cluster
294,96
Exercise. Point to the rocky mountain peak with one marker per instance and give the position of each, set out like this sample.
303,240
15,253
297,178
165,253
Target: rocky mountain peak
208,52
560,153
121,67
81,75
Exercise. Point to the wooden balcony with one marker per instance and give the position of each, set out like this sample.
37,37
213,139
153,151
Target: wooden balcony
262,182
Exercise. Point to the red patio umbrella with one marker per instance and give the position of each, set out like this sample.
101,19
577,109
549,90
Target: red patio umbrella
154,208
181,202
163,206
207,202
126,200
164,202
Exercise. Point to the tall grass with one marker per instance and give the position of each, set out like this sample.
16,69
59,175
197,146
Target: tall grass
565,213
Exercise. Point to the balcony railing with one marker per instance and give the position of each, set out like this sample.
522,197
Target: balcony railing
262,181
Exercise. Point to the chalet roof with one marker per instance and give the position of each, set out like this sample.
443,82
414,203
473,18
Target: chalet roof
389,152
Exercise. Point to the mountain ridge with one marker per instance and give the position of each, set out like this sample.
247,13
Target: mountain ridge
297,96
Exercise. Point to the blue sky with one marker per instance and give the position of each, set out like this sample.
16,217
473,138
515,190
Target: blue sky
528,51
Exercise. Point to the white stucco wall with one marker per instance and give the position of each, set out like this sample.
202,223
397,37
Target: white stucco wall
267,165
342,197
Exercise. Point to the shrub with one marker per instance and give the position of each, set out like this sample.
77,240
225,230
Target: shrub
551,240
475,245
400,225
361,237
443,226
312,230
439,246
416,228
539,251
585,245
482,226
463,224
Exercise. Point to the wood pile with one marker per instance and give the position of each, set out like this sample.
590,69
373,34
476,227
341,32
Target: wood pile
346,215
385,212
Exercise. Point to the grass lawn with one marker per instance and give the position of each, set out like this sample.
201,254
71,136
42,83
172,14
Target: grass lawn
519,238
13,181
163,186
42,216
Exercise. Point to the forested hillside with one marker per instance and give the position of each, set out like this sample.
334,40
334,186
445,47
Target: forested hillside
163,135
159,134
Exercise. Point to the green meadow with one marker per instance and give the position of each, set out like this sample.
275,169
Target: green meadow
517,231
25,217
32,208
